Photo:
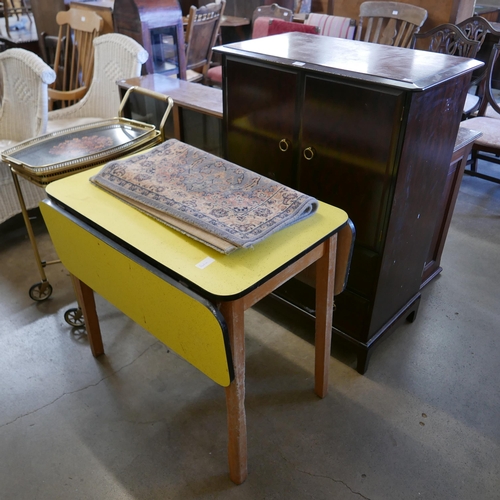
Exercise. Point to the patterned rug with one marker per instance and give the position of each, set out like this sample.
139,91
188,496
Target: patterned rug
210,199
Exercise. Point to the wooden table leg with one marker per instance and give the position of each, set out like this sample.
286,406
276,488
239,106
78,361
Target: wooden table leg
233,313
325,279
176,114
86,301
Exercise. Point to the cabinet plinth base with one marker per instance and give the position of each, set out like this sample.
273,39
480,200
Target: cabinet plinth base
363,350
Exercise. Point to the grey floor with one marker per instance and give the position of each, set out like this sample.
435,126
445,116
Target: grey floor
139,423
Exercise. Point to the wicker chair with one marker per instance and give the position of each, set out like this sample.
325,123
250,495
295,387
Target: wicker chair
23,115
116,57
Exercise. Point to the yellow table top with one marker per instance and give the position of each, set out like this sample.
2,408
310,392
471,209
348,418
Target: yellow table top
223,277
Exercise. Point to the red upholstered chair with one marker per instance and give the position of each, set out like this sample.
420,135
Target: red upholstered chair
260,27
278,26
263,26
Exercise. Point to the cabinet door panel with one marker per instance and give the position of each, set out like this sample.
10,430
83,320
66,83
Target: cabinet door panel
261,113
353,132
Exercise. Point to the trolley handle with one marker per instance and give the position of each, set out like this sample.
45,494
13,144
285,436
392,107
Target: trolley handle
154,95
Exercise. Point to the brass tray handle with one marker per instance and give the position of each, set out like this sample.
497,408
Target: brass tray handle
309,153
284,144
154,95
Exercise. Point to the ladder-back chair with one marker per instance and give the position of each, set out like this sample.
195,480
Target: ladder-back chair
74,55
201,35
389,23
17,9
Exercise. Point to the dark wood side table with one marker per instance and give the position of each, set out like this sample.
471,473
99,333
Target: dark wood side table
196,115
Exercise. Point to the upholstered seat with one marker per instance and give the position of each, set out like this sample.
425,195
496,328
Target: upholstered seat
337,26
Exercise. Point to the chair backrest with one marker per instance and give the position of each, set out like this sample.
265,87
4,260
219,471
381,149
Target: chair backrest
277,26
389,23
116,57
287,4
260,27
18,9
477,28
44,14
74,57
274,11
488,99
446,39
336,26
201,35
24,78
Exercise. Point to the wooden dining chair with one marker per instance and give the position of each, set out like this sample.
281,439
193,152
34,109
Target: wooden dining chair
201,34
117,57
451,40
74,55
487,147
389,23
448,39
479,29
15,8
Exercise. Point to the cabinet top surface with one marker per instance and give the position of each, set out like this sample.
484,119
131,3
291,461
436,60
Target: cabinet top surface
399,67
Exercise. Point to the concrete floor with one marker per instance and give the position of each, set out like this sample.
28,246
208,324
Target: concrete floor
140,423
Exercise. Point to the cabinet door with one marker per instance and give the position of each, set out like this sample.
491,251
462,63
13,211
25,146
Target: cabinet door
260,119
350,138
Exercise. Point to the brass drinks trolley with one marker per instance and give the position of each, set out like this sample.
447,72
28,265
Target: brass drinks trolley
53,156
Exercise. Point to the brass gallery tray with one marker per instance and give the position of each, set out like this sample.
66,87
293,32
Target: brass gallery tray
52,156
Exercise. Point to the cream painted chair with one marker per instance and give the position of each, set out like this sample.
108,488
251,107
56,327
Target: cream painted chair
24,79
116,57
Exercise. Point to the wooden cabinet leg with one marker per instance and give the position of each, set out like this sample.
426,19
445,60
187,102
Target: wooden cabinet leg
325,279
86,301
233,313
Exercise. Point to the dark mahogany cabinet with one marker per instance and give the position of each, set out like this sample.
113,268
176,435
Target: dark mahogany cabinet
365,127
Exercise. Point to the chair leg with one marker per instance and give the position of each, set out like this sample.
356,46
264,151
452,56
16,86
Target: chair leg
473,163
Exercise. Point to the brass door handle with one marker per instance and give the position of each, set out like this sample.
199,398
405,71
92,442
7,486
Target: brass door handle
308,153
284,144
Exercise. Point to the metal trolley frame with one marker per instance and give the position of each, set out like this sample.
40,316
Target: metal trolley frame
26,160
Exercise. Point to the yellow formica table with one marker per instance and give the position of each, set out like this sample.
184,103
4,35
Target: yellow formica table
189,296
